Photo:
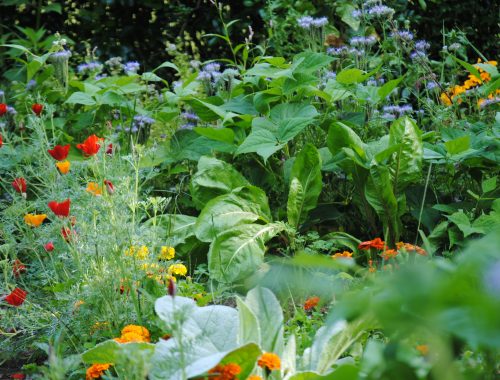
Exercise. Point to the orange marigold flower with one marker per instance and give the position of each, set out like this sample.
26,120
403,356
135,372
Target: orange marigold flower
343,255
389,254
371,268
254,377
311,303
134,333
270,361
96,370
411,248
34,220
423,349
376,243
225,371
63,166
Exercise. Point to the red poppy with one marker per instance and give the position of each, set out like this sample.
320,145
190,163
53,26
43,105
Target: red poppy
1,140
37,108
17,297
19,184
49,247
60,209
59,152
19,376
68,234
3,109
109,187
90,147
18,267
376,243
109,149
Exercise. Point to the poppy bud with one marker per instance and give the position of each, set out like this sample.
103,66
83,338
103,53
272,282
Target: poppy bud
37,108
1,140
109,149
19,184
3,109
17,268
171,287
49,247
109,187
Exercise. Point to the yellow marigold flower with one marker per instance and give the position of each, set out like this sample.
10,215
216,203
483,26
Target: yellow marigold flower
445,99
63,166
225,371
344,255
96,370
269,361
167,253
177,269
94,188
142,253
254,377
34,220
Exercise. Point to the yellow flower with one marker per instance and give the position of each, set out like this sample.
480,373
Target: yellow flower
94,188
34,220
445,99
423,349
177,269
139,252
96,370
167,253
63,166
254,377
78,304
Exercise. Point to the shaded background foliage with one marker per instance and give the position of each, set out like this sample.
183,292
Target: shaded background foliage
142,30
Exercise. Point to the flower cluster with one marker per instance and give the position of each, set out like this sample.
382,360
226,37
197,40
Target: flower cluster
190,120
95,371
311,303
454,94
308,22
131,67
374,11
342,255
363,41
133,333
227,371
89,67
389,253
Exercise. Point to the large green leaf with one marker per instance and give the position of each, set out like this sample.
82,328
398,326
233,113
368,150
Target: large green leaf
176,228
241,206
81,98
342,136
406,163
249,325
303,197
113,352
213,178
237,253
267,309
269,135
379,194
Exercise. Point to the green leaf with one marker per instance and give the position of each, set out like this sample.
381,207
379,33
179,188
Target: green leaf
243,205
307,170
267,309
167,64
463,223
176,228
237,253
151,77
387,88
468,67
113,99
249,329
81,98
213,178
489,184
345,11
405,165
458,145
341,136
262,142
111,351
218,134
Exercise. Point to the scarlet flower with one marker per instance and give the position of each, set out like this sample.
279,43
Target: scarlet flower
1,140
90,147
49,247
19,376
376,243
60,209
109,187
311,303
19,184
68,234
18,267
37,108
60,152
3,109
17,297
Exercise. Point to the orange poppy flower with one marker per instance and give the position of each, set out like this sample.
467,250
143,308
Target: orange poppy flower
34,220
311,303
90,146
63,166
94,188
